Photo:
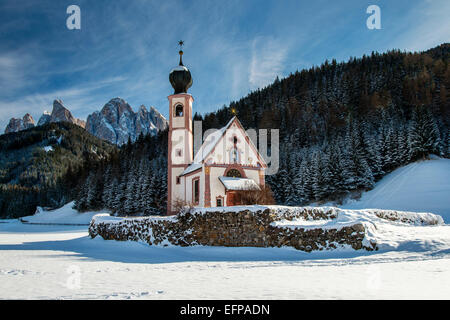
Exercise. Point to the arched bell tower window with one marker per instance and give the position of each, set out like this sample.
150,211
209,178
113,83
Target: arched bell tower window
178,110
234,173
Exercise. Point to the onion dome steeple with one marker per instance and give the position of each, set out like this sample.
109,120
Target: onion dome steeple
180,77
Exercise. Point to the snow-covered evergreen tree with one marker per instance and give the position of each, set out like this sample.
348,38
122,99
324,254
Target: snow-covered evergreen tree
423,136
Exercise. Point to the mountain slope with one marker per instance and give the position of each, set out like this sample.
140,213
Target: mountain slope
422,186
39,166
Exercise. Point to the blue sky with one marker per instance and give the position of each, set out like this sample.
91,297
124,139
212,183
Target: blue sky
127,48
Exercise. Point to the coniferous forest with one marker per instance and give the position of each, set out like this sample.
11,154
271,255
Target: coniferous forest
132,181
343,126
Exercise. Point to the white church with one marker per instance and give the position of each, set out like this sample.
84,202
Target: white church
226,163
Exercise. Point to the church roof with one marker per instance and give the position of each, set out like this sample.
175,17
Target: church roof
194,166
207,147
210,142
235,184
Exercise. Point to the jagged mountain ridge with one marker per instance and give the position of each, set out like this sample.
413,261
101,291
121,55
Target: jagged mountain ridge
59,114
117,122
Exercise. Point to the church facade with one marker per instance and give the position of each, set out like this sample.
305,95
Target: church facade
226,163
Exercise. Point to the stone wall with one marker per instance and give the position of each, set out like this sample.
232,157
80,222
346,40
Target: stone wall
236,227
413,218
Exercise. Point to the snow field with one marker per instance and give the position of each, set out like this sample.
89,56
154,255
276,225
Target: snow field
44,262
422,186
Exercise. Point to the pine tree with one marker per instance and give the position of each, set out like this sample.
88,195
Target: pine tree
390,149
107,188
402,146
119,200
336,171
307,179
348,154
423,136
318,179
328,187
374,158
130,206
91,196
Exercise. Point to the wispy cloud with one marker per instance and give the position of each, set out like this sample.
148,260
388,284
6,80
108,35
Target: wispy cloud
13,66
428,25
268,58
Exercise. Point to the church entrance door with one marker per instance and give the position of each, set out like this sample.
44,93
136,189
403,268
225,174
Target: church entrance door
231,199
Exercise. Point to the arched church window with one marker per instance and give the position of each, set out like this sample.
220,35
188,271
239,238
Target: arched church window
234,173
178,110
196,191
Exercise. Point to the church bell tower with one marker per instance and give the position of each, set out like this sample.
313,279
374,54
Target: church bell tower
180,151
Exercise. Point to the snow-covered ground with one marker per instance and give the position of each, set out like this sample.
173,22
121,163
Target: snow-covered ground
422,186
63,215
62,262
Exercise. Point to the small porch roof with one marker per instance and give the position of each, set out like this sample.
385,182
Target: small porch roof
236,184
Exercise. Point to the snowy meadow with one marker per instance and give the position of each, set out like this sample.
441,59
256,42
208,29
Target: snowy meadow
63,262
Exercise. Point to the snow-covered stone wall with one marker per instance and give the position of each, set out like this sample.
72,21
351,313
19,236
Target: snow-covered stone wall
304,228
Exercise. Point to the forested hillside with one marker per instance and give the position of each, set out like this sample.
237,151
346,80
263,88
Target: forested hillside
344,125
40,166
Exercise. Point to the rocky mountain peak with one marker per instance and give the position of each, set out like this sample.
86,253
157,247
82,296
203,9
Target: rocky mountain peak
16,125
28,119
117,122
115,108
60,113
45,118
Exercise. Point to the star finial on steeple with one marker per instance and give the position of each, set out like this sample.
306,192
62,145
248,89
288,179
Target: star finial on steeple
181,44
